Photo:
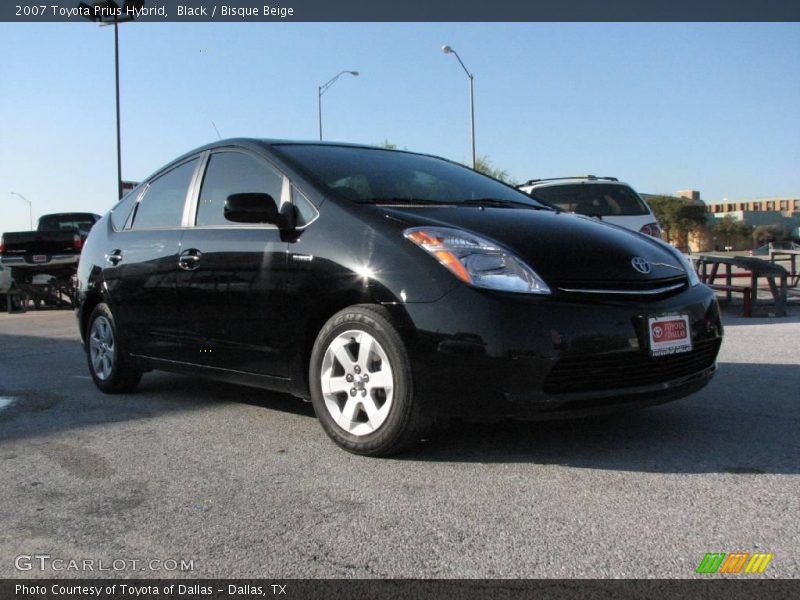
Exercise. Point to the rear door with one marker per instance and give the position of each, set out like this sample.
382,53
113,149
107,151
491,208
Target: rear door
142,266
233,283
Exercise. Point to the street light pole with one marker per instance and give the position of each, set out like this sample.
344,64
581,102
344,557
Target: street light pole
116,78
106,12
324,88
450,50
30,207
472,118
319,109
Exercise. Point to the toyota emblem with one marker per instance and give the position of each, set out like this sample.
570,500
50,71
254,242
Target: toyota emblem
640,264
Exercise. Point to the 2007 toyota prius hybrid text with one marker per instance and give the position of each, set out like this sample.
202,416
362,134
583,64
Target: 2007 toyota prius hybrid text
392,289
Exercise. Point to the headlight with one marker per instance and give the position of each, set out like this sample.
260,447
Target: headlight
477,261
685,260
690,272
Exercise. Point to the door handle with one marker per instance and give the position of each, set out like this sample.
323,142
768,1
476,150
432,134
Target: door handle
189,260
114,257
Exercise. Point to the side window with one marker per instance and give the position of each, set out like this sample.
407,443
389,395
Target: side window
233,173
121,212
305,210
162,205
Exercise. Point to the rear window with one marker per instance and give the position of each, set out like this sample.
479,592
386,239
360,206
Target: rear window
67,222
592,199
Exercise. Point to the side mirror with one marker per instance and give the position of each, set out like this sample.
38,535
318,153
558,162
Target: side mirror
251,208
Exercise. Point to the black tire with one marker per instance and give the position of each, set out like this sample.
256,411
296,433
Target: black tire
407,421
123,375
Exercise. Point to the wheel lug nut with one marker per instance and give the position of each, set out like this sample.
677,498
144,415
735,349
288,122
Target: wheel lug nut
349,378
366,378
357,369
353,391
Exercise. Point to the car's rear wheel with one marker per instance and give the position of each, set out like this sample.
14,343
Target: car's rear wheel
110,369
362,386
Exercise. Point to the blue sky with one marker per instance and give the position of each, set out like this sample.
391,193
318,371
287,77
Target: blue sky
665,107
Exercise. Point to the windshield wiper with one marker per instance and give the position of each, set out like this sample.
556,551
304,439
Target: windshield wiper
546,204
498,203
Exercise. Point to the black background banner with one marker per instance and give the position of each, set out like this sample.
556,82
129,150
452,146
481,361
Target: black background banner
420,10
341,589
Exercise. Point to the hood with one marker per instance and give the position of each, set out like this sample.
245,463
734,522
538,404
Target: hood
562,248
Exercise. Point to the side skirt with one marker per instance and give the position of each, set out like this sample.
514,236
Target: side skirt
267,382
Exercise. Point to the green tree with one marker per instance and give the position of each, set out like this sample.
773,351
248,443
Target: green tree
782,232
387,144
676,216
728,230
764,234
761,234
484,165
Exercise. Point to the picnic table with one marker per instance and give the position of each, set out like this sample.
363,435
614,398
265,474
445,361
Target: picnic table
708,265
791,256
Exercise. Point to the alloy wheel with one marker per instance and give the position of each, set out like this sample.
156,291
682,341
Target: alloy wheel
102,348
357,382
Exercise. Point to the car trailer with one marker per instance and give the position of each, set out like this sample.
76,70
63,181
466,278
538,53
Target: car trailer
43,290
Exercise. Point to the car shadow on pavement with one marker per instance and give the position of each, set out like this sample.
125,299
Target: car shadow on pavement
45,388
745,422
213,391
30,412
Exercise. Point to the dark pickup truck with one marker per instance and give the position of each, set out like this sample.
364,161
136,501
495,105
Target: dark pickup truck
52,250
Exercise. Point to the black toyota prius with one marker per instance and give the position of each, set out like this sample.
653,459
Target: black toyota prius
391,289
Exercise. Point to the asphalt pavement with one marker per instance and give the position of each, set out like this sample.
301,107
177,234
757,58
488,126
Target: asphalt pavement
238,482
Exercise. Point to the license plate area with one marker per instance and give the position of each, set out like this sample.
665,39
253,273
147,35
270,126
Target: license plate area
39,258
669,335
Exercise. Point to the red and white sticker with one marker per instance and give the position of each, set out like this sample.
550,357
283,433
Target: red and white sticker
39,258
669,335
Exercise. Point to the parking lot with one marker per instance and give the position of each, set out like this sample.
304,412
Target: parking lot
244,483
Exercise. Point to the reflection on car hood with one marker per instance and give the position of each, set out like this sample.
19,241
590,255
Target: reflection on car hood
561,247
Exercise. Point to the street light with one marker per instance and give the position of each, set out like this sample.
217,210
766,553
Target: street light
106,12
450,50
324,88
30,207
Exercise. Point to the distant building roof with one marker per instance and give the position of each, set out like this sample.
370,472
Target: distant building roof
683,199
758,199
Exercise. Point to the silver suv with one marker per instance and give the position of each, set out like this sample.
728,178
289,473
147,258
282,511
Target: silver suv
605,198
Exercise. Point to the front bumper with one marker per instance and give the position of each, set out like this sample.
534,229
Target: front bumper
483,355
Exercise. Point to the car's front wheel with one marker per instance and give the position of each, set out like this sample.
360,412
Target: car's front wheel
110,370
362,386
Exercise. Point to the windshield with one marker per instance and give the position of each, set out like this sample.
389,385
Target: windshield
373,175
593,199
79,221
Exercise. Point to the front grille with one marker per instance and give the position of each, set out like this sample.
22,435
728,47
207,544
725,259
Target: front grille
625,289
627,369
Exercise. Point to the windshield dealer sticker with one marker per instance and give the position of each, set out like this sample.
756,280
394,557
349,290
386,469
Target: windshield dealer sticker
669,335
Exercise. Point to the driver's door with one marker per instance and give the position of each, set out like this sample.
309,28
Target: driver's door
232,279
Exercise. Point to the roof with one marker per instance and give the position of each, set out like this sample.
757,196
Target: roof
572,179
761,199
